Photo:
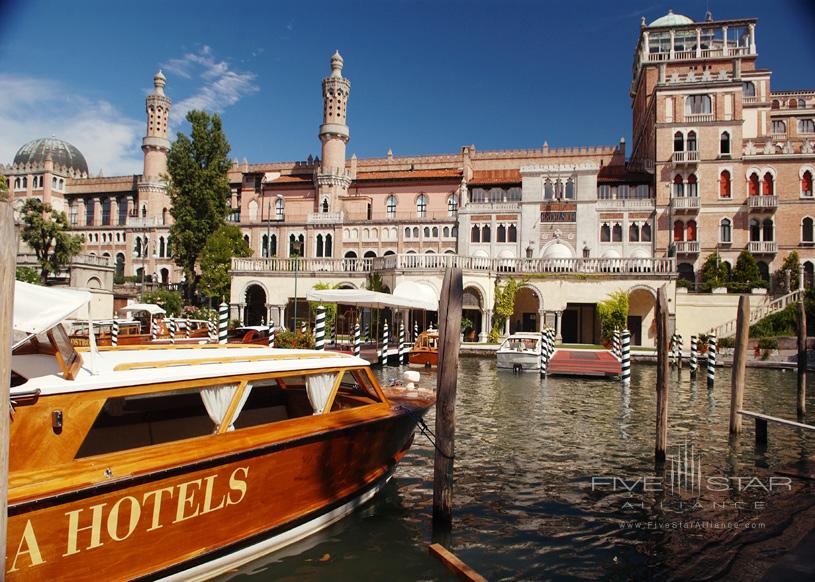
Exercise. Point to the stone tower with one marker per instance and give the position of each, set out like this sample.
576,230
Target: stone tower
155,145
331,177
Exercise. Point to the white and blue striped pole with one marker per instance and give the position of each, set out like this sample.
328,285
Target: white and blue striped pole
625,363
385,339
711,359
693,362
402,348
319,329
171,326
114,334
223,322
357,340
271,334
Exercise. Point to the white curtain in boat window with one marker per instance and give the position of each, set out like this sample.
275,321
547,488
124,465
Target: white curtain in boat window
216,401
318,388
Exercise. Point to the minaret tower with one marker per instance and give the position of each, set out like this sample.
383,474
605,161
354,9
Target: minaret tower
155,144
331,177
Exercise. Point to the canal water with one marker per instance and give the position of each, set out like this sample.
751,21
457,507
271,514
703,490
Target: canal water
555,480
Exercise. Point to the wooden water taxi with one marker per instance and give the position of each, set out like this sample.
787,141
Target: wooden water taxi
425,352
520,351
183,462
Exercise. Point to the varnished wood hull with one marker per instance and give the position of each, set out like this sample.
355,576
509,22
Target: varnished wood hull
222,508
423,357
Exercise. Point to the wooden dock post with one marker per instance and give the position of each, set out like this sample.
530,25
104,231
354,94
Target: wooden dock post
8,258
739,364
802,359
663,375
452,294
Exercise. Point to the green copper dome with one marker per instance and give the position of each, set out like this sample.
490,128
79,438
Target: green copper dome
671,19
62,154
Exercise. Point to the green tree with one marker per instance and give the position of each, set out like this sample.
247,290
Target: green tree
613,313
3,188
374,283
45,230
198,188
170,301
714,273
504,306
28,275
215,259
793,265
330,308
746,274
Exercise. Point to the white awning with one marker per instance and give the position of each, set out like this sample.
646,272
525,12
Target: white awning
150,308
38,309
370,299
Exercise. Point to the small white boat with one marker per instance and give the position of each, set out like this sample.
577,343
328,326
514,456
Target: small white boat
520,351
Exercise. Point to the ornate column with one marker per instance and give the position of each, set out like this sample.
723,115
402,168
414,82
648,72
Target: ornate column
698,43
97,210
558,318
725,50
268,313
752,28
486,325
541,319
671,54
242,312
281,315
114,210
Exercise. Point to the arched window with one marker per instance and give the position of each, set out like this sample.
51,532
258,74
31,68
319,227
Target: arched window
679,142
452,205
164,214
512,233
806,126
767,187
679,231
120,264
752,187
748,89
501,234
617,233
698,105
548,190
570,189
807,230
690,231
421,206
802,103
278,209
435,232
415,232
264,248
390,206
161,246
693,190
329,244
475,234
724,184
755,230
679,188
324,205
775,104
645,233
454,232
767,230
446,232
319,250
370,211
633,233
407,232
792,103
427,232
137,247
806,183
273,246
486,235
725,231
778,126
605,233
691,141
724,143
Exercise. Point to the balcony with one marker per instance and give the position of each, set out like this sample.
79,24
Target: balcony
762,247
646,204
762,203
699,117
144,222
325,218
687,247
684,158
686,203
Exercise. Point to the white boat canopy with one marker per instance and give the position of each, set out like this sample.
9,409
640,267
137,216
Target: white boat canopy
370,299
150,308
38,309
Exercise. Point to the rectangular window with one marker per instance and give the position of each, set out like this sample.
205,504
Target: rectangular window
603,192
698,104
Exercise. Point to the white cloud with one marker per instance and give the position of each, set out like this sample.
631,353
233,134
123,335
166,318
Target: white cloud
32,107
221,86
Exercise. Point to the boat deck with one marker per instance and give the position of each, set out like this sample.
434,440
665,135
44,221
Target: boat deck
566,362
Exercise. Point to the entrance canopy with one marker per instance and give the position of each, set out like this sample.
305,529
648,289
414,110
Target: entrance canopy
371,299
150,308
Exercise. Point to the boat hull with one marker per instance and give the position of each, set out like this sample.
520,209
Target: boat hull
513,360
423,358
182,518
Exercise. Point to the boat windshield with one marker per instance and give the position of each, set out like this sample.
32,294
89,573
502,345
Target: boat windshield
521,344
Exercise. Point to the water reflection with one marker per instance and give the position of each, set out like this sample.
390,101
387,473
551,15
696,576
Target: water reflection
527,451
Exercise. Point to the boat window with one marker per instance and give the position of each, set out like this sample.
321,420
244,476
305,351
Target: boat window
355,390
282,398
129,422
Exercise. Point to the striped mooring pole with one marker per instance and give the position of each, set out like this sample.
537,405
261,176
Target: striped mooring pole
319,329
680,345
402,347
552,334
672,349
213,337
415,331
223,322
114,334
303,328
625,361
711,359
693,363
333,338
357,340
154,330
544,351
188,328
615,344
271,334
366,335
383,358
171,326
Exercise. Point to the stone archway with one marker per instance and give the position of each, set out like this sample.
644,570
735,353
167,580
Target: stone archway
526,316
255,313
472,308
641,311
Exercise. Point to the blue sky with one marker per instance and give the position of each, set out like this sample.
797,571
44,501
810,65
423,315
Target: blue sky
426,77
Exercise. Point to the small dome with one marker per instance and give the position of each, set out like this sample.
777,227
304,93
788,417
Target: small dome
62,154
557,250
671,19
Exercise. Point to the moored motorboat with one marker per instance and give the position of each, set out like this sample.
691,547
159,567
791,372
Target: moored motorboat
425,352
520,351
185,462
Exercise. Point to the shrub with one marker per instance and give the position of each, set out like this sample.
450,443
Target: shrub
613,313
727,342
746,271
768,343
293,340
793,265
169,300
714,273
